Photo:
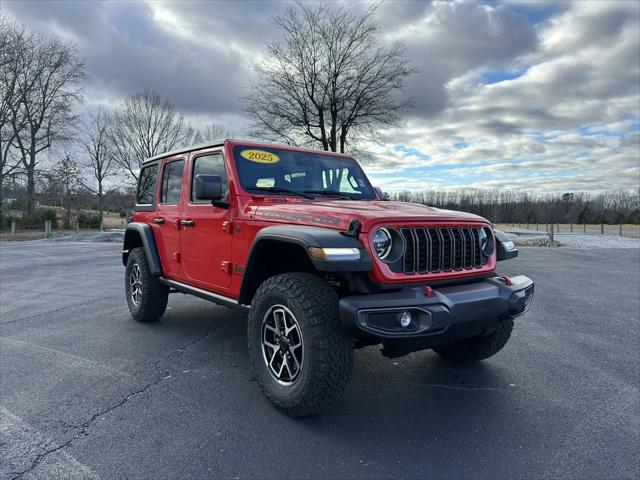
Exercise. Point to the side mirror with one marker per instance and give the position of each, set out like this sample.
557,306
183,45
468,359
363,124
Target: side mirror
381,195
208,187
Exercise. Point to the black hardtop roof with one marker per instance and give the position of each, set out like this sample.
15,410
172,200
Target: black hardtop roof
199,146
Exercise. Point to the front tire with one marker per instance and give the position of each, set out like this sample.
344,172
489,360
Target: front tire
146,296
301,356
478,348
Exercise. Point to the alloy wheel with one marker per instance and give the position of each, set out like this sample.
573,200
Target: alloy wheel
282,345
135,284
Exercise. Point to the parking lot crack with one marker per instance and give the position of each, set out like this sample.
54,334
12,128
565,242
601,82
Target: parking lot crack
449,387
84,427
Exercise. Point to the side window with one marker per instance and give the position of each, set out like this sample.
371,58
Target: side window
147,185
172,182
209,165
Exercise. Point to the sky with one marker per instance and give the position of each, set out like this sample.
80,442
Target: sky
537,96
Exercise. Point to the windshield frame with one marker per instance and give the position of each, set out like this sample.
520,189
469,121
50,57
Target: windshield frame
349,162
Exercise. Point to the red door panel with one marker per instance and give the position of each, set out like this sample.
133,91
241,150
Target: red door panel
166,218
206,245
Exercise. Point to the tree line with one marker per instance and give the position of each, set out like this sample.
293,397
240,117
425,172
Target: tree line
509,206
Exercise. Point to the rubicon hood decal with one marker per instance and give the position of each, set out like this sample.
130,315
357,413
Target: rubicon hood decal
338,213
297,217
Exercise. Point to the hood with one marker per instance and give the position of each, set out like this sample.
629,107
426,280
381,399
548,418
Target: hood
338,213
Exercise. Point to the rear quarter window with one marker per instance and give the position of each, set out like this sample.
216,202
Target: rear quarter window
172,182
147,185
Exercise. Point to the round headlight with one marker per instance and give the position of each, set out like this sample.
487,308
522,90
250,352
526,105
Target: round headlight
382,243
486,241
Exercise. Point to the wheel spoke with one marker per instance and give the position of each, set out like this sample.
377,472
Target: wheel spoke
272,358
279,319
271,345
295,359
269,327
288,330
286,364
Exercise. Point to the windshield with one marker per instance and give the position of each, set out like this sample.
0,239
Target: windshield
283,172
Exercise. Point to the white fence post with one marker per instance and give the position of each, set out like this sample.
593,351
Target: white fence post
13,227
47,228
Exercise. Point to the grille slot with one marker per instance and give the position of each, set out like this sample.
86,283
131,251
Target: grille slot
409,259
441,249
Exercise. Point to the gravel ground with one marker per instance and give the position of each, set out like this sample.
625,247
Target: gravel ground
112,235
535,238
86,393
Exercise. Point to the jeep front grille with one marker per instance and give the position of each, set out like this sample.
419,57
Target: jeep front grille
438,249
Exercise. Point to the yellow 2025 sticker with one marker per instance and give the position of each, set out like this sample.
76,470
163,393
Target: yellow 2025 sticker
260,156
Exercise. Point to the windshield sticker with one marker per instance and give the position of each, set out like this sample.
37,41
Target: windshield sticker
260,156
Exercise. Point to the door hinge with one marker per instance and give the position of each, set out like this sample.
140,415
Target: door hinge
225,266
227,226
176,256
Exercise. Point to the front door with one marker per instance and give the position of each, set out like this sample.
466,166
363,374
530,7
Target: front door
206,244
166,221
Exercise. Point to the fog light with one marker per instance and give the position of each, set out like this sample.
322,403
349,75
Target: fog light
405,319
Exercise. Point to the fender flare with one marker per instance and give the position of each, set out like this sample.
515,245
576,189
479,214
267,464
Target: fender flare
304,237
143,232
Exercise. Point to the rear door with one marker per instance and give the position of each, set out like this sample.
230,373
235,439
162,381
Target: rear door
206,243
166,221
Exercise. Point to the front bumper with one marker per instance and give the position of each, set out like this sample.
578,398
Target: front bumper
449,314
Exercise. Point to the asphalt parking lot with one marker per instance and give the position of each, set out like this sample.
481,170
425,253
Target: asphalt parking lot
85,392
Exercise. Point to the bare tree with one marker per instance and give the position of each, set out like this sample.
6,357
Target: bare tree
48,84
328,82
12,42
68,177
146,124
97,145
213,131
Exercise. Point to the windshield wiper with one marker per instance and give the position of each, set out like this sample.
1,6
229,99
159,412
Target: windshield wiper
329,193
281,190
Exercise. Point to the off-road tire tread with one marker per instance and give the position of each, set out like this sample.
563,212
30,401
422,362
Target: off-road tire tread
154,296
333,349
478,348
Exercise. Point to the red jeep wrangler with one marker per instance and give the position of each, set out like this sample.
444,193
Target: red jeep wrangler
303,242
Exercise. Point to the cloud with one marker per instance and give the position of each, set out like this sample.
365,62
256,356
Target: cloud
568,120
541,96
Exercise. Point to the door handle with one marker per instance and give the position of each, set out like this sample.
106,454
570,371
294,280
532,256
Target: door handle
158,220
188,223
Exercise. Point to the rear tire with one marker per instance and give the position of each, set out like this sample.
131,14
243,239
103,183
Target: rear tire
297,348
478,348
146,297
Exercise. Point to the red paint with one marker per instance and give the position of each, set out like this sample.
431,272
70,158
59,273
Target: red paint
507,281
428,291
224,236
